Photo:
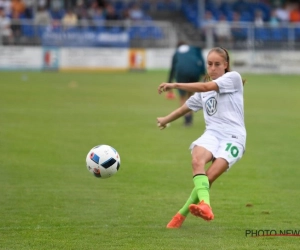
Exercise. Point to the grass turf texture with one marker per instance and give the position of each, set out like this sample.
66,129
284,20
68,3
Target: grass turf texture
48,199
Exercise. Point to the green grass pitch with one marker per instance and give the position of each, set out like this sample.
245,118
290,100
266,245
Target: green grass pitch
48,199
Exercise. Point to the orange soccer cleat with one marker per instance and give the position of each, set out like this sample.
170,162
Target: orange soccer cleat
176,221
202,210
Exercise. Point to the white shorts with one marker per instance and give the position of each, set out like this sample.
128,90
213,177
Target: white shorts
229,149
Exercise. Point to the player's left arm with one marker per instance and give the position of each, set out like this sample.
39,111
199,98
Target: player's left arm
190,87
163,121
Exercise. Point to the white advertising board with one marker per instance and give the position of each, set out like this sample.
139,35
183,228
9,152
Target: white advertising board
93,59
20,58
159,58
102,59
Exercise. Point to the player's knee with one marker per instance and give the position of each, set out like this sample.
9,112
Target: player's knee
197,164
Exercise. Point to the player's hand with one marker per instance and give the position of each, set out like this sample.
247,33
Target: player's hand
165,87
160,123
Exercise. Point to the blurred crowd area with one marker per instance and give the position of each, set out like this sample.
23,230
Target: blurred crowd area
74,13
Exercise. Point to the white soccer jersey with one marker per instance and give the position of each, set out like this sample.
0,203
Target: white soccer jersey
223,110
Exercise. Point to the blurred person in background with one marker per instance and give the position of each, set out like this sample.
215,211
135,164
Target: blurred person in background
187,66
282,13
238,31
56,8
5,29
17,8
42,16
258,19
295,13
83,15
221,97
111,13
70,19
208,26
98,14
223,30
6,6
28,12
17,11
274,22
16,27
135,13
93,8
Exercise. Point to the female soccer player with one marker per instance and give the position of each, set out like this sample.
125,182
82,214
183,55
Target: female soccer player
224,139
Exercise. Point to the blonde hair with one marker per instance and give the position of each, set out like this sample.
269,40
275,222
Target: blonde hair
223,53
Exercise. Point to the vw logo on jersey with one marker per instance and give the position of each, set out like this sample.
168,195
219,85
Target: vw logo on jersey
211,106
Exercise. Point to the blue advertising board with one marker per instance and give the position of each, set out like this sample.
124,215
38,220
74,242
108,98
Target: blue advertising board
78,38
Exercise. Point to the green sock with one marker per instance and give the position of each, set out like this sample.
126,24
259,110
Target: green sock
202,187
193,199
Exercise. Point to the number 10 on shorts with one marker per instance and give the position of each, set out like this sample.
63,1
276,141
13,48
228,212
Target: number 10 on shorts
232,149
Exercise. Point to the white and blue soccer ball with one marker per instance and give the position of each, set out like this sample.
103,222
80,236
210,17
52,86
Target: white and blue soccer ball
103,161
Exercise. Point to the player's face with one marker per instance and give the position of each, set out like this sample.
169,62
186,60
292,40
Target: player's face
216,65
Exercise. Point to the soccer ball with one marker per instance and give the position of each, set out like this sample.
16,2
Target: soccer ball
103,161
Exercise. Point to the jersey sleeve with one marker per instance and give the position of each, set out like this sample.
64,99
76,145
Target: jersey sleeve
229,82
195,102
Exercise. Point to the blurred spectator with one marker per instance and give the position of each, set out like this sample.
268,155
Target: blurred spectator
295,14
70,19
28,12
237,30
5,29
110,13
16,26
93,10
17,8
98,14
274,22
42,16
187,65
79,8
6,5
82,14
282,13
98,18
208,25
223,30
135,12
209,20
56,9
258,19
56,4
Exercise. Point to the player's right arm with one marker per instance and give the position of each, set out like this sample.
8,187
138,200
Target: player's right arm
190,87
163,121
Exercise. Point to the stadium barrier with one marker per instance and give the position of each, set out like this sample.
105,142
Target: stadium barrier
97,33
141,45
151,34
116,59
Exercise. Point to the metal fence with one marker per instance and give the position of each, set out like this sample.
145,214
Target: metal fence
248,36
151,34
157,34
